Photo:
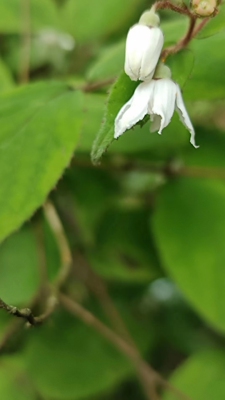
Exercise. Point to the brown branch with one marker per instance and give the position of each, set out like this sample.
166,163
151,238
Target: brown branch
26,313
200,26
162,5
184,42
60,236
99,288
66,263
89,319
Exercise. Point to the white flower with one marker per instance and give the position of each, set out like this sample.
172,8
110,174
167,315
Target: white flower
143,48
159,98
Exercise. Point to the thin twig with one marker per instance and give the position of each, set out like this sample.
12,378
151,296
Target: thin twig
27,314
60,236
184,42
200,26
66,263
99,288
89,319
162,5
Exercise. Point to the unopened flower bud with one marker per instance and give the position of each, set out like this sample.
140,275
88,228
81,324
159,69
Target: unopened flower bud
143,47
204,8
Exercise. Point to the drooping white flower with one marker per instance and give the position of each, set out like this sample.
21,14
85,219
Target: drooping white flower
158,98
143,47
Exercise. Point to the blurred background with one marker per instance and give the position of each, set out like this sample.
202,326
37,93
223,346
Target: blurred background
145,228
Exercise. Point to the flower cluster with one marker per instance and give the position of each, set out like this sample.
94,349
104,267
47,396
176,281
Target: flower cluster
158,95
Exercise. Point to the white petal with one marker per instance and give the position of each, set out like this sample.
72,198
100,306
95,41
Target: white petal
151,56
163,102
143,48
155,123
134,110
184,116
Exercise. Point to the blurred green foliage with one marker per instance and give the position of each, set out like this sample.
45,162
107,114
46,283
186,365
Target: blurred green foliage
146,227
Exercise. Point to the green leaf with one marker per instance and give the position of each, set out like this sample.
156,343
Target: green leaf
85,365
43,14
19,272
109,63
124,253
189,226
121,92
6,80
207,83
181,65
102,18
211,153
174,29
93,118
40,125
14,383
201,377
88,210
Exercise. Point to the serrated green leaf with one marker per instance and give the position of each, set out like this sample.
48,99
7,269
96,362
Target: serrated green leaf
40,125
201,377
189,226
120,93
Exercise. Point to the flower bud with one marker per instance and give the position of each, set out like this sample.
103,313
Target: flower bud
143,47
204,8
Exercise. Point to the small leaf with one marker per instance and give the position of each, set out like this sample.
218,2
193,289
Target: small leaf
121,92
